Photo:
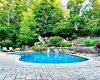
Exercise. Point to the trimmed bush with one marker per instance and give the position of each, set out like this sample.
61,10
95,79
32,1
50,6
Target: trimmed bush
66,44
90,42
55,41
39,48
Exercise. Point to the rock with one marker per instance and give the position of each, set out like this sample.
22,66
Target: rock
41,39
37,43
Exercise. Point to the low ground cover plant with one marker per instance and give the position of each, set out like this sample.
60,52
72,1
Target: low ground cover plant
39,48
66,44
91,42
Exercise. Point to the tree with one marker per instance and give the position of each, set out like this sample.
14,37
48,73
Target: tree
10,17
26,36
94,27
63,30
46,16
93,20
75,26
74,6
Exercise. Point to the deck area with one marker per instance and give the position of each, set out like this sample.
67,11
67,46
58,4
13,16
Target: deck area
11,69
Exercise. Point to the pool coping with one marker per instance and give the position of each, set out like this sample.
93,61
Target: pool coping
77,63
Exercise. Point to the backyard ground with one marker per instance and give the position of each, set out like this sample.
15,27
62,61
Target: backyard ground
11,69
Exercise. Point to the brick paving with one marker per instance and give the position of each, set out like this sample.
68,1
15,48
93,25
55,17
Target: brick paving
10,69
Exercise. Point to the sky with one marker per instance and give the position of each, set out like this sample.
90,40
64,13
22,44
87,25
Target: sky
64,2
64,5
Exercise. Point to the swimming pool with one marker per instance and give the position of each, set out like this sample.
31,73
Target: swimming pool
49,58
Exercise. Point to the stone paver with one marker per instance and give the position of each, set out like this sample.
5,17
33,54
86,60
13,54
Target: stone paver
10,69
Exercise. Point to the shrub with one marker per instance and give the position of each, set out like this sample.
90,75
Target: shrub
97,45
95,31
7,43
87,43
62,30
39,48
66,44
90,42
93,42
55,41
74,36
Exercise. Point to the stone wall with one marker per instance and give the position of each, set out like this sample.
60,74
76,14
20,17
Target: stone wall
90,50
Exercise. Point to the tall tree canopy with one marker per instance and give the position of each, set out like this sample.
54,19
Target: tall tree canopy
47,14
74,6
21,21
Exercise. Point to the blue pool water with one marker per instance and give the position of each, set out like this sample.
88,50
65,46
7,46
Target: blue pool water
49,58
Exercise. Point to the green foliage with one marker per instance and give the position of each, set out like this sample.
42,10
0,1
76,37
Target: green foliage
22,22
90,42
39,48
73,28
27,38
87,43
7,33
46,16
74,36
95,31
94,27
63,30
78,24
93,19
94,42
3,33
7,43
54,41
66,44
10,18
75,6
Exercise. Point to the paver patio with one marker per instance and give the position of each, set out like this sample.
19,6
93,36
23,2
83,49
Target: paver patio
10,69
